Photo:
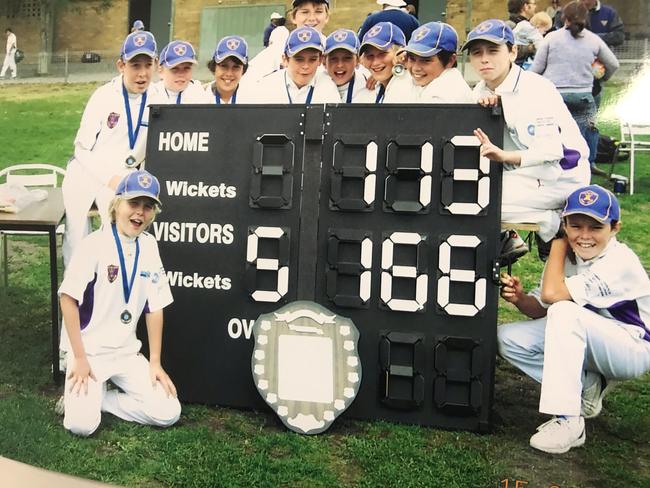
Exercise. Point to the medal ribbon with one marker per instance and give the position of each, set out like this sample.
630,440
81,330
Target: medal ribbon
350,90
309,95
133,135
127,286
217,97
380,94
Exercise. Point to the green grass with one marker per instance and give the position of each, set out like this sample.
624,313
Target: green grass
222,447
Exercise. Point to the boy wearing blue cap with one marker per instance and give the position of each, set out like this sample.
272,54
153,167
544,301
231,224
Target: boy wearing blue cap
431,61
298,83
379,55
176,86
111,139
591,319
544,155
228,64
342,62
114,276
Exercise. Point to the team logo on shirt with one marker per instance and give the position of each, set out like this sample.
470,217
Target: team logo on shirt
232,44
112,120
484,27
180,49
340,36
587,198
144,180
112,272
140,40
374,31
304,36
419,34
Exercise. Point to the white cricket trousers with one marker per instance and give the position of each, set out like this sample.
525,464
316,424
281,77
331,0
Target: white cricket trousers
556,350
139,400
9,63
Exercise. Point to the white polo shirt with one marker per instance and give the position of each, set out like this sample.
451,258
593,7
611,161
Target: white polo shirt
194,93
613,284
278,88
449,87
94,279
360,94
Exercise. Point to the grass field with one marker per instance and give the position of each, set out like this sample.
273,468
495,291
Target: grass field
223,447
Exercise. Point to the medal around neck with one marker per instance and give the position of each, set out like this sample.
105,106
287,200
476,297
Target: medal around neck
130,162
399,70
126,317
306,365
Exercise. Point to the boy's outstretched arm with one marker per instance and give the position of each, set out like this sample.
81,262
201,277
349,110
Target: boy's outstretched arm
554,288
513,292
154,332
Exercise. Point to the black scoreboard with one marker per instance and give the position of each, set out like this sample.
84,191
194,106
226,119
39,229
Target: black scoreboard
384,214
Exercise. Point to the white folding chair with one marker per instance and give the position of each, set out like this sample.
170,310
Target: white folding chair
29,175
634,137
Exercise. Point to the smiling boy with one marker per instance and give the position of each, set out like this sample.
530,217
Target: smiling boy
591,319
341,63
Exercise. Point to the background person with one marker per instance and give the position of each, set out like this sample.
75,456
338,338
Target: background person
275,21
566,57
526,36
393,12
10,56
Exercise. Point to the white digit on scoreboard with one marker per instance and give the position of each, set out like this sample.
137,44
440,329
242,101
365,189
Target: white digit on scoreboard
267,264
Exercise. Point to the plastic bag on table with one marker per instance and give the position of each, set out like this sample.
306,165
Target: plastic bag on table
14,198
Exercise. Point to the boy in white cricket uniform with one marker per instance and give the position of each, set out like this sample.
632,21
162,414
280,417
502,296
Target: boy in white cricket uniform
544,155
431,61
378,51
176,86
10,55
342,63
228,64
112,136
298,83
591,319
114,276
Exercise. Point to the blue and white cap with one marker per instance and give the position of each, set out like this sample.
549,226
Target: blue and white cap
342,39
139,183
177,52
383,35
234,46
594,201
491,30
139,42
296,3
138,25
431,38
301,39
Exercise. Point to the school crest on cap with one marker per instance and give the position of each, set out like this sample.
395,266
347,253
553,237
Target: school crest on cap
144,180
140,40
112,120
304,36
420,34
374,31
111,272
484,27
180,49
587,198
232,44
340,36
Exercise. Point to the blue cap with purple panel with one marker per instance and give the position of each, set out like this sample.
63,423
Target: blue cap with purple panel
139,183
231,46
383,35
431,38
139,42
495,31
594,201
342,39
177,52
303,38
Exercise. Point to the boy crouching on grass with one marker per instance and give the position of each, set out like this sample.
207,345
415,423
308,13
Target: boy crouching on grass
591,319
114,276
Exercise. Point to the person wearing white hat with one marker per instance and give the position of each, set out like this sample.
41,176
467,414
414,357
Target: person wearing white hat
111,140
297,83
276,20
393,12
114,277
176,86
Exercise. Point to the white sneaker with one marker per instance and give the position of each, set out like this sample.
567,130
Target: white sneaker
594,390
559,434
512,247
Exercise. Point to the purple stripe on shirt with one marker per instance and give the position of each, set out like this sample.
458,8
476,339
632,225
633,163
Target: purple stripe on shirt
146,307
627,312
570,159
86,308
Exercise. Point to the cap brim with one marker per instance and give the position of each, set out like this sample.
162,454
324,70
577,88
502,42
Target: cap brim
230,55
599,218
381,47
147,52
420,50
179,61
342,46
300,49
492,39
135,194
